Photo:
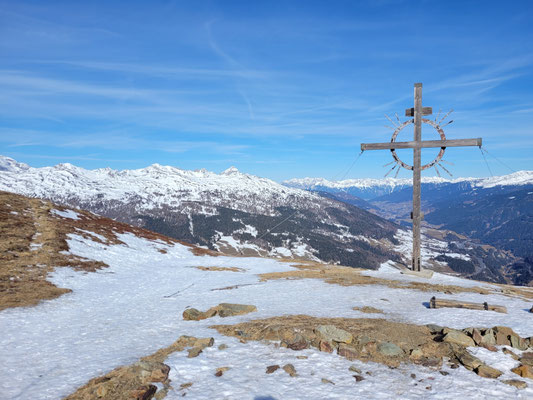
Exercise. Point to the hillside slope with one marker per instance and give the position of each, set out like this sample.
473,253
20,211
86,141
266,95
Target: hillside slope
128,329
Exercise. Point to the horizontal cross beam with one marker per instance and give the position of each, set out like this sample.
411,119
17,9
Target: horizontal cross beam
421,144
410,112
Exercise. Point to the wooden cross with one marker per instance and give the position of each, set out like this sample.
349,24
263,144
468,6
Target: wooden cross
417,144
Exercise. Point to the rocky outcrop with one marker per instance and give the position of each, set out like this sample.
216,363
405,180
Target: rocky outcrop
222,310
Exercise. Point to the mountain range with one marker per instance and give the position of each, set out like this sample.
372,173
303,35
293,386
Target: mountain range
358,223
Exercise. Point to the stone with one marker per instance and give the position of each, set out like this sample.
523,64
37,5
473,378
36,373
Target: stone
229,310
289,368
489,347
204,342
220,371
526,358
488,338
390,349
487,372
223,346
435,328
518,343
503,335
468,360
326,346
271,369
194,352
513,355
332,333
347,351
160,373
101,391
444,373
525,371
476,336
517,383
298,343
144,392
192,314
324,380
353,368
416,353
358,378
458,337
302,357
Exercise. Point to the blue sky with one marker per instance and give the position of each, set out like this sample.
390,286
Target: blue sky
279,89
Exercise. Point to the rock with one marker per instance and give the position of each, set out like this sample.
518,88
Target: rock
435,328
192,314
204,342
487,372
223,346
525,371
159,373
458,337
513,355
289,368
517,383
476,336
220,371
444,373
229,310
298,343
326,346
531,309
272,368
347,351
468,360
413,376
489,347
503,335
526,359
194,352
145,392
488,338
518,343
358,378
390,349
353,368
332,333
101,391
302,357
416,354
324,380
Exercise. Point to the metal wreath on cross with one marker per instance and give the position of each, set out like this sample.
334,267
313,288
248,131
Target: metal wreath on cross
435,125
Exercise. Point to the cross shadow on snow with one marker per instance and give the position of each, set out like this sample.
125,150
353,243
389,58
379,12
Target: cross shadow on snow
264,398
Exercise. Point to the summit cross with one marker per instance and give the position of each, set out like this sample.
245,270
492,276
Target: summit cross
417,112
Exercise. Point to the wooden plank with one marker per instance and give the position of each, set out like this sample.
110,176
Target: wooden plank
410,112
417,169
440,303
423,144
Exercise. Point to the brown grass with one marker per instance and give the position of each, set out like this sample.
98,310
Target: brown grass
33,240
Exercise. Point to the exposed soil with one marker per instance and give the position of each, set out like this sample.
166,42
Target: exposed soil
347,276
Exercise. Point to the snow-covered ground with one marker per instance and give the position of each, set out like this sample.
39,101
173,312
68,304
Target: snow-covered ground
131,309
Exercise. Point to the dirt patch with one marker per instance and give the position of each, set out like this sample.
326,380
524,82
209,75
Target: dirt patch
368,310
347,276
136,381
231,269
34,243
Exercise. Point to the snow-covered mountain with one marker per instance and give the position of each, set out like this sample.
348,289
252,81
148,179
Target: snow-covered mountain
371,188
232,212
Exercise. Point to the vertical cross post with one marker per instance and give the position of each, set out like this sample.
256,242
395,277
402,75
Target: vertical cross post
417,157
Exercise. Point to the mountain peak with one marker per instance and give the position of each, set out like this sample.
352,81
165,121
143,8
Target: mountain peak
10,165
231,171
